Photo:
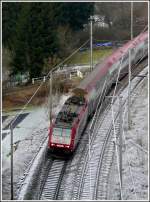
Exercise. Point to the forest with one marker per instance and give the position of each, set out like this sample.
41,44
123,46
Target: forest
38,35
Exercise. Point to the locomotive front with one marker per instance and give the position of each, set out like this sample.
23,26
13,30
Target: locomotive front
60,139
63,135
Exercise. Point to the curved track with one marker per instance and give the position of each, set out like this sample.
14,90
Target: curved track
85,175
91,177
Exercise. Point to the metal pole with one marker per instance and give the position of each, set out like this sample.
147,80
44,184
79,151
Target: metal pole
131,20
50,98
89,160
11,144
91,43
120,137
91,68
129,91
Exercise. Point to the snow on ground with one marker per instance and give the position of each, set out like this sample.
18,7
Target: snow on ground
135,151
28,136
34,129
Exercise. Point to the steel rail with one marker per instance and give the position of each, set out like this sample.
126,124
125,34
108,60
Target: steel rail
84,169
56,194
104,148
45,171
52,184
86,157
78,167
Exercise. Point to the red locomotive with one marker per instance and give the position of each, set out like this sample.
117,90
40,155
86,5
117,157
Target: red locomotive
67,128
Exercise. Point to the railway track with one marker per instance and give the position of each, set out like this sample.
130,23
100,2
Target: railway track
80,172
106,158
83,165
54,173
70,179
86,169
102,151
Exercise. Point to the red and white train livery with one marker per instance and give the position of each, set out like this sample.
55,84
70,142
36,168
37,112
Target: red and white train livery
68,126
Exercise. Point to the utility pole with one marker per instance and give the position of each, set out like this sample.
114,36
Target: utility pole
131,20
119,153
120,137
91,68
50,92
129,91
11,144
91,43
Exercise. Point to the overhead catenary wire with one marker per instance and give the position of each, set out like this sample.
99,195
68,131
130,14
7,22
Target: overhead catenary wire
90,129
120,70
128,156
129,162
113,120
115,138
117,156
117,79
53,69
138,146
40,87
98,109
114,129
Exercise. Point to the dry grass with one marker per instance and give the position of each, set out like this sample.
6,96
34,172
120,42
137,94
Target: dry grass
19,97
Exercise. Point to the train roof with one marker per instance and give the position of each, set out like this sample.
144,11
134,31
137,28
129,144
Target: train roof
101,69
69,112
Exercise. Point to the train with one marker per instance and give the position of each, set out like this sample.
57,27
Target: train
67,128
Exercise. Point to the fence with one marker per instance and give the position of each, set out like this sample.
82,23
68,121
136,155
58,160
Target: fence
65,74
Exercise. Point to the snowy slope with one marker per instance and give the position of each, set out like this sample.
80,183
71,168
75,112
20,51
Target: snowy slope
135,151
28,137
34,130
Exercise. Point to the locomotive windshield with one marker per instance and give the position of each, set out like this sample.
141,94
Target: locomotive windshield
61,135
61,132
